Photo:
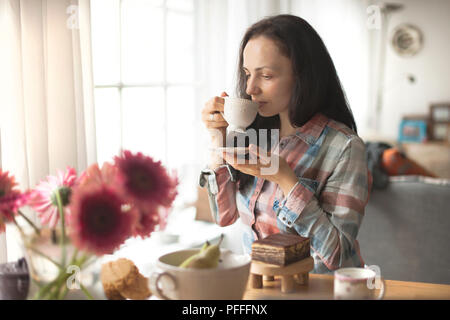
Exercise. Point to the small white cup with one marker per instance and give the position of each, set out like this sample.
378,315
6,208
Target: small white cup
357,284
227,281
239,113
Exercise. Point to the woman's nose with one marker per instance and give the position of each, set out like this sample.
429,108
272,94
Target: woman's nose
252,87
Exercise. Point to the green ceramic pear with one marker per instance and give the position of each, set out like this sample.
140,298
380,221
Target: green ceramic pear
207,258
186,262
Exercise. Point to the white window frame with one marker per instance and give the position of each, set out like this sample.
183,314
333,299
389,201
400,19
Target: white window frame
196,84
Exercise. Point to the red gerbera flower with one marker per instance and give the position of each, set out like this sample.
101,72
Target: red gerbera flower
99,220
150,219
146,181
11,199
147,222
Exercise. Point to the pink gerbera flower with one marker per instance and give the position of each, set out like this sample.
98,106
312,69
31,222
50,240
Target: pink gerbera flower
146,181
11,199
43,198
100,220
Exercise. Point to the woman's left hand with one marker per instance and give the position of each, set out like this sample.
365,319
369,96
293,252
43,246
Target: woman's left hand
266,165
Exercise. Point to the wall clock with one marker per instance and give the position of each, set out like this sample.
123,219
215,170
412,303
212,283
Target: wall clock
407,40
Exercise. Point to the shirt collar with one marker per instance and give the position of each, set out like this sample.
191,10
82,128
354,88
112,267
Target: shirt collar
312,129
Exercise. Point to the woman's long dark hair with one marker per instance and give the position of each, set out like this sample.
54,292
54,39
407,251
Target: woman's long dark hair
317,87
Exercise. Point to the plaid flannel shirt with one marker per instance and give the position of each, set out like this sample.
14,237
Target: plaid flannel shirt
326,204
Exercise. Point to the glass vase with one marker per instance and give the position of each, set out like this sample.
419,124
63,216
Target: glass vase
57,269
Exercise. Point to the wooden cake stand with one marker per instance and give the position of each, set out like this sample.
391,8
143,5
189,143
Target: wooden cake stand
300,268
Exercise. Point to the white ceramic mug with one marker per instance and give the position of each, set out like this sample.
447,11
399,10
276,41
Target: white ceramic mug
357,284
227,281
239,113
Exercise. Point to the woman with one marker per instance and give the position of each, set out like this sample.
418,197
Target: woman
322,183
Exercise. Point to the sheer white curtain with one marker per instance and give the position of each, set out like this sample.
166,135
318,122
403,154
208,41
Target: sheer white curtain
3,252
47,116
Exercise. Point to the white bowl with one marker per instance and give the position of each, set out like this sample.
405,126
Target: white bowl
226,282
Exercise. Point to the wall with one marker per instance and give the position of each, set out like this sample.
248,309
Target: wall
342,26
431,66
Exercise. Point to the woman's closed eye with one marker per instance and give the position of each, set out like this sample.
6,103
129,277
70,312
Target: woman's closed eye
266,77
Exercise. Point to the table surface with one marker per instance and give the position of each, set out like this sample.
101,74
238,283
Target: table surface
320,287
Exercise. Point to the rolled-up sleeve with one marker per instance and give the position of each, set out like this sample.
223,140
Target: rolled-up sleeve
221,187
332,218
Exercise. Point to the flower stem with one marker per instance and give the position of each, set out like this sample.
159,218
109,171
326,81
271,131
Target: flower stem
80,263
86,292
61,295
64,293
52,289
74,256
36,229
63,227
46,257
42,293
84,259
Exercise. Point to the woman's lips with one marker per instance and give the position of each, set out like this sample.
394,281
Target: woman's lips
261,104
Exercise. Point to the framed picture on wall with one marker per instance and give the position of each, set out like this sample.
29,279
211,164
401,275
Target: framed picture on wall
440,121
441,132
440,112
412,131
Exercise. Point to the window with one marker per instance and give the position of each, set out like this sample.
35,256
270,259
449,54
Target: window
145,79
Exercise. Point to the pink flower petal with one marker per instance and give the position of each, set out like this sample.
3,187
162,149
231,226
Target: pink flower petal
41,198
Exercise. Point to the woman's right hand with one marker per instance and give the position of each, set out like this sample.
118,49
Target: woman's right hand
212,117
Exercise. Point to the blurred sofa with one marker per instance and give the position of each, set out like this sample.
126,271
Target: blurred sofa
406,229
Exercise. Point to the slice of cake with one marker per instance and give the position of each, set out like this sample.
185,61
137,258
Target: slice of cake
281,249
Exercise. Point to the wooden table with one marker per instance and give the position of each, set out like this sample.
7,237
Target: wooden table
321,287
